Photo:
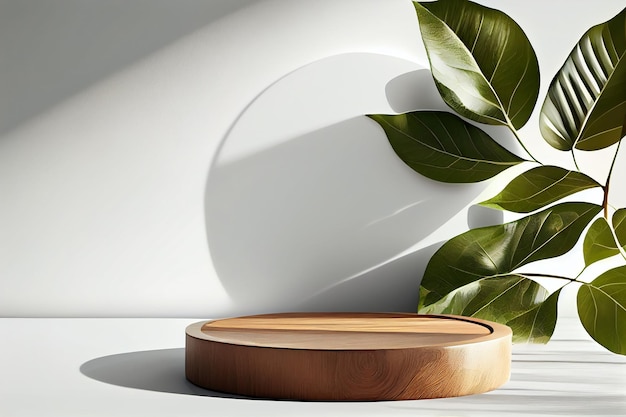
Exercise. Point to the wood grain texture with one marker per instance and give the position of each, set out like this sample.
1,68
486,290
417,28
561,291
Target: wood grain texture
348,356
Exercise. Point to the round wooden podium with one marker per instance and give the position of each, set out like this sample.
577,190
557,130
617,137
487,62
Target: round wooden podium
348,356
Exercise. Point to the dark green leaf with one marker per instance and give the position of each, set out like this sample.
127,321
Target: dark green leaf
499,250
498,299
482,62
444,147
536,325
513,300
539,187
602,309
599,242
619,225
586,102
422,296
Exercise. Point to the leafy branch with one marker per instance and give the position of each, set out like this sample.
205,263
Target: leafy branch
486,70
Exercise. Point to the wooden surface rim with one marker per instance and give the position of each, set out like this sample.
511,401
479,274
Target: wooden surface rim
497,331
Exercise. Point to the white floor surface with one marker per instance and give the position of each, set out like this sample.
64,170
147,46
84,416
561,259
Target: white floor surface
135,367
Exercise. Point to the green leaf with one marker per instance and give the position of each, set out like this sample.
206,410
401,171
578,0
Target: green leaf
499,250
539,187
599,242
619,225
422,296
586,104
602,309
497,299
514,300
482,62
444,147
536,325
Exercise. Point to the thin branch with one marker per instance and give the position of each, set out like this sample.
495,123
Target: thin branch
566,284
605,201
575,161
519,140
547,276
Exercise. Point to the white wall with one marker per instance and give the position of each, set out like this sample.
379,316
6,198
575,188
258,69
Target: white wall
118,198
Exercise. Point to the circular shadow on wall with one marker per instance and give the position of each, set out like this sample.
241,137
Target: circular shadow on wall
308,207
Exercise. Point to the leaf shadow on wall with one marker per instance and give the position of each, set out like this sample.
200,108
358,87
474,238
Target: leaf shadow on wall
326,219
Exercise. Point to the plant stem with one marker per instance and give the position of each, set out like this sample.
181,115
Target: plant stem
566,284
605,201
580,273
519,140
574,158
547,276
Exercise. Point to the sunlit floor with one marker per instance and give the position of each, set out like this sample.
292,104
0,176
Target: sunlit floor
135,367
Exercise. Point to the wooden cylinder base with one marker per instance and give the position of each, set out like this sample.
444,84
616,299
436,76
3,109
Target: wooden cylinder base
348,356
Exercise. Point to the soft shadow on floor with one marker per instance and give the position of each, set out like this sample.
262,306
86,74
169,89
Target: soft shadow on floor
161,370
574,387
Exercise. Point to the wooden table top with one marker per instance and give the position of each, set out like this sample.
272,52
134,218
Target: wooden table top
339,331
